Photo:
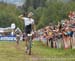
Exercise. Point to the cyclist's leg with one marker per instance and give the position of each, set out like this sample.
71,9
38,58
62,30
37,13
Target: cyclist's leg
17,42
28,31
29,44
26,38
26,43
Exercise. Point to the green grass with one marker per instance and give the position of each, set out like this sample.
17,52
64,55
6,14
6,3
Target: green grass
9,52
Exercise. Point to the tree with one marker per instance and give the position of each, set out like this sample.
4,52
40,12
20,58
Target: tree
8,15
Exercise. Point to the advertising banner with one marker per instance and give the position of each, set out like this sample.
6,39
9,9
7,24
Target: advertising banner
10,38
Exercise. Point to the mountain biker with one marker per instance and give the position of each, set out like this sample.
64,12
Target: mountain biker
18,34
29,25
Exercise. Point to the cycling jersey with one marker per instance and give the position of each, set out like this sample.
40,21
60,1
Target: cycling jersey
28,24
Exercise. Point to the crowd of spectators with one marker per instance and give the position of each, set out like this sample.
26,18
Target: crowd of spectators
60,35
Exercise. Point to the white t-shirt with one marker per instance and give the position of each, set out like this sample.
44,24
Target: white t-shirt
28,21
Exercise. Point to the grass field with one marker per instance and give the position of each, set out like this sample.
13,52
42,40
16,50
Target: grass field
9,52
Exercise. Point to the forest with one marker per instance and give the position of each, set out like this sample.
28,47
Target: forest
46,12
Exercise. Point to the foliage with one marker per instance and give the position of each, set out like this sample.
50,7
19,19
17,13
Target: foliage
9,14
45,12
51,11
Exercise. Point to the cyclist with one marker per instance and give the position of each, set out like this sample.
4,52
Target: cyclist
18,34
29,26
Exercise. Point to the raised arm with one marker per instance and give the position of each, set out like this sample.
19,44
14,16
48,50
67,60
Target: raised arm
21,17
